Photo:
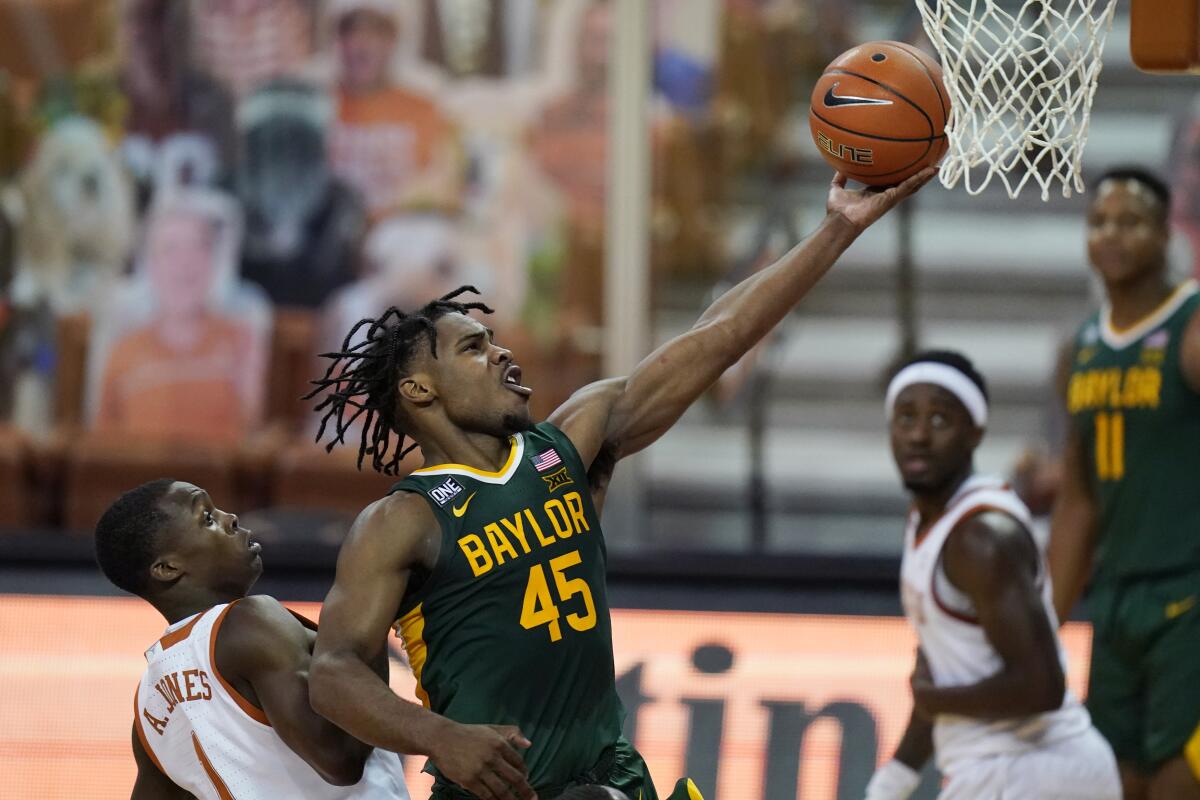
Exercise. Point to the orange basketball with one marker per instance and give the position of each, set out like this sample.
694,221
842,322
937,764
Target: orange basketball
879,112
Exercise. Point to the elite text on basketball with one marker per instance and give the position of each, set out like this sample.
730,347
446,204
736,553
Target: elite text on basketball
855,155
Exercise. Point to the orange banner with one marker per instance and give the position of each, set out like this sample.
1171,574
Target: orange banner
751,705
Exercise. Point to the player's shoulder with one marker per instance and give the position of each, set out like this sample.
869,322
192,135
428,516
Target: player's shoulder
392,529
542,437
545,430
258,628
259,615
990,543
402,509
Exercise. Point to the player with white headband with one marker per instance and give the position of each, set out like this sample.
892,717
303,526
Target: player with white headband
989,688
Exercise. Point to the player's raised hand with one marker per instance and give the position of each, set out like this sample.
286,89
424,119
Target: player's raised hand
483,759
862,207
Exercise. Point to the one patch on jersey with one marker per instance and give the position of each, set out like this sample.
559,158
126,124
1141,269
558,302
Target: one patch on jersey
1085,355
1157,340
546,459
445,492
557,480
1154,347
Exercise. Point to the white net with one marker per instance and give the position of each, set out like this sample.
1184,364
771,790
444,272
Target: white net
1021,76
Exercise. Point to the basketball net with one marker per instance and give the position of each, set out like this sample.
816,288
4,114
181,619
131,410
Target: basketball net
1021,87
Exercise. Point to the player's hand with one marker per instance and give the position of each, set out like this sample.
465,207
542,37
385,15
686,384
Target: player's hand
483,759
862,207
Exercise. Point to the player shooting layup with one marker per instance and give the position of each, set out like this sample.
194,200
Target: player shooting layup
491,555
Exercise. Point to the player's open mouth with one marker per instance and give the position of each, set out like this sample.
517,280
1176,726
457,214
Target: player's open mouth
512,381
251,545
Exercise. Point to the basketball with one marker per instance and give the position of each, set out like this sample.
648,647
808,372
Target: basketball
879,112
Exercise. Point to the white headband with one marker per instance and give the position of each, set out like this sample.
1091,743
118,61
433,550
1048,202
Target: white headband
944,376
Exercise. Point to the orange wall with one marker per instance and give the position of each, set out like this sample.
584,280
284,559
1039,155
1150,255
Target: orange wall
68,667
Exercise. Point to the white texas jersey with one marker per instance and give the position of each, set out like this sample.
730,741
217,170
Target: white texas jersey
209,740
955,646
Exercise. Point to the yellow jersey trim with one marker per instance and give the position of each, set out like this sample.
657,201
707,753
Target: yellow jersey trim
1118,338
412,633
500,476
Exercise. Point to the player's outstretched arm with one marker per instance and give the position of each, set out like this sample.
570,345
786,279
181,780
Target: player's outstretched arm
151,784
671,378
994,560
388,539
261,644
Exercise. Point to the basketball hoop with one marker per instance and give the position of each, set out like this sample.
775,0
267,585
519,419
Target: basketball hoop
1021,76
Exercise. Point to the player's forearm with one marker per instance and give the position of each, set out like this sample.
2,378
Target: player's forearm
141,791
349,693
1008,693
745,313
336,756
916,745
157,788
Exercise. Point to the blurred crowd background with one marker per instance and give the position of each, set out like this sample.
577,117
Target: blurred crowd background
198,196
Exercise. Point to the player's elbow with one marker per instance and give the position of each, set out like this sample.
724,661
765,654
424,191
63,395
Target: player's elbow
1056,690
322,685
1046,690
726,338
345,768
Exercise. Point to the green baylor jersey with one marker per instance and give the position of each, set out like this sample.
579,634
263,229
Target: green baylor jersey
1140,424
511,627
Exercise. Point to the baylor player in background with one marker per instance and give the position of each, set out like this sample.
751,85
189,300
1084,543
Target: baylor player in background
491,557
1128,513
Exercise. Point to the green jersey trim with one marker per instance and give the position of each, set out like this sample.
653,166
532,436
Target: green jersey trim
1119,339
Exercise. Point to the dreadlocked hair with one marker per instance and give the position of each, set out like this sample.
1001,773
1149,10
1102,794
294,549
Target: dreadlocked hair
363,377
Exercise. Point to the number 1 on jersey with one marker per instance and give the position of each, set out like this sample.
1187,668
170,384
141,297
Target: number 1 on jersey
538,607
1110,445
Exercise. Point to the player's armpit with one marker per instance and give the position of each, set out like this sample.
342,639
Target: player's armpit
994,561
263,645
1072,529
151,784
